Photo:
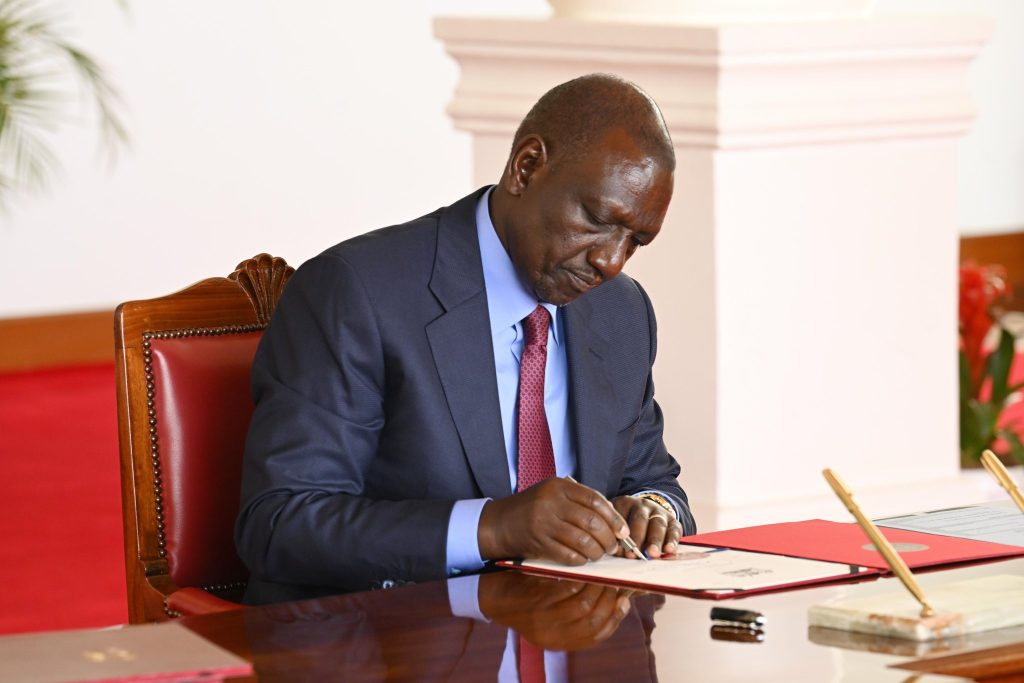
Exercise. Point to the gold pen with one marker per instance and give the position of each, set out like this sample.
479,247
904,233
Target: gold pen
627,543
892,558
993,465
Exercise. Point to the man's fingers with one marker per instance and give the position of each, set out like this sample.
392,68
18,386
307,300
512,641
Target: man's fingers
579,518
591,499
601,617
638,519
654,541
672,536
622,608
588,522
649,526
557,551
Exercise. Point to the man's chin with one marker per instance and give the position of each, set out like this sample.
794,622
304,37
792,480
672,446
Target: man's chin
559,290
559,297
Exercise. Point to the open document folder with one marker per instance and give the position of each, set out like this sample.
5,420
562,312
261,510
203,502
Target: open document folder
818,539
701,572
998,522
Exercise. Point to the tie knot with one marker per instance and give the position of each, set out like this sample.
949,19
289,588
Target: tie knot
536,327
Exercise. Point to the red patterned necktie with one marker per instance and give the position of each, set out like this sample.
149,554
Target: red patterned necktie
531,662
536,458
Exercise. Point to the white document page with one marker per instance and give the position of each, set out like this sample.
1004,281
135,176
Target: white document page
999,522
713,570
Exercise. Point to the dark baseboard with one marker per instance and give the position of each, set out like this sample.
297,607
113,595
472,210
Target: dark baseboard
54,340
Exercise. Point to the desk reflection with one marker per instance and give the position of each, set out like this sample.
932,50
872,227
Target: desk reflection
589,632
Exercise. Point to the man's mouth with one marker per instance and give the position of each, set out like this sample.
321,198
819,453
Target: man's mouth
581,283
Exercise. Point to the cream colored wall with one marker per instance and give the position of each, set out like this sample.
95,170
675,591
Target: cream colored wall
263,126
256,126
991,174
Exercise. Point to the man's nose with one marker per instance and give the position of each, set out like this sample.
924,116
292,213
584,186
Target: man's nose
609,256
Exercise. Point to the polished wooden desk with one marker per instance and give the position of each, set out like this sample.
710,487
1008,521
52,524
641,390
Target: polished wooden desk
410,634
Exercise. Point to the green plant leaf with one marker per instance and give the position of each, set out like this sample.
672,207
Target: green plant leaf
986,415
1016,446
970,429
999,362
1011,390
966,390
34,64
977,428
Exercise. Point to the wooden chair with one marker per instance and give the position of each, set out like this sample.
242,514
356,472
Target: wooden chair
183,409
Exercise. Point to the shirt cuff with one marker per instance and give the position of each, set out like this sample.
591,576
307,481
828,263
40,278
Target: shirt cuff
463,550
672,502
464,598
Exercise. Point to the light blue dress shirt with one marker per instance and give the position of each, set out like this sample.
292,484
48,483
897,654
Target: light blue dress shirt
508,302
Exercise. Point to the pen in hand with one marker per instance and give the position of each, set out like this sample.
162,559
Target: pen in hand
629,545
627,542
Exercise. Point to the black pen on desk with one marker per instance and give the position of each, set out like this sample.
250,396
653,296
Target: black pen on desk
627,543
746,617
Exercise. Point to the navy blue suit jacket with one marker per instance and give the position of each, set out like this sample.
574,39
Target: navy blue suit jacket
377,407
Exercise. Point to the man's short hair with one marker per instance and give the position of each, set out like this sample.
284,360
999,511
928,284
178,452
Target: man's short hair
574,115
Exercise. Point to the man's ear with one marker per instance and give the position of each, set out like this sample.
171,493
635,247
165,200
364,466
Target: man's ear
529,156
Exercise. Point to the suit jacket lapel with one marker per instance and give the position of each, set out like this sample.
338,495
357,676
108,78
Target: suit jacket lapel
592,396
460,341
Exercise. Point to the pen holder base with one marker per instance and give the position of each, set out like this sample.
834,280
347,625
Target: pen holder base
962,607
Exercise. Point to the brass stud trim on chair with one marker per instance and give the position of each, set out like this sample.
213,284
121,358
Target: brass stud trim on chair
154,445
225,587
173,614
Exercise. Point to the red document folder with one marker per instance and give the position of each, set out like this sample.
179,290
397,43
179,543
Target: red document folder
817,539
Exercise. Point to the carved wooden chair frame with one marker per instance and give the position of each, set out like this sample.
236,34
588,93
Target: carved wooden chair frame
242,302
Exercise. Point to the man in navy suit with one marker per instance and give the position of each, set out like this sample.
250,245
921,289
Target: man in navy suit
388,437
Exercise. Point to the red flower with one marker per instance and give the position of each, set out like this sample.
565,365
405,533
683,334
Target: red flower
981,288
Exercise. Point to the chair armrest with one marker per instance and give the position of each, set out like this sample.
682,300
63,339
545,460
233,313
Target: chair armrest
192,601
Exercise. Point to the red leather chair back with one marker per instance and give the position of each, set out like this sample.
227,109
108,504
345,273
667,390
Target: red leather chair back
202,408
183,410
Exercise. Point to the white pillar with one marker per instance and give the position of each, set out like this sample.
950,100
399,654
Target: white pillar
805,278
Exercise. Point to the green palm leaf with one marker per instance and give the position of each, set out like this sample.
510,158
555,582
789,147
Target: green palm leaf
35,66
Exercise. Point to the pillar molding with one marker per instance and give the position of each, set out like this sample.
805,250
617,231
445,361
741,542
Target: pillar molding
704,11
805,277
732,86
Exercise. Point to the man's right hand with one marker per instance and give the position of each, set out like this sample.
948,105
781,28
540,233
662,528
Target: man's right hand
557,519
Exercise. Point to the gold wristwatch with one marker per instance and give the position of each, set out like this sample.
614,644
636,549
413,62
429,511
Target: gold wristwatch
660,501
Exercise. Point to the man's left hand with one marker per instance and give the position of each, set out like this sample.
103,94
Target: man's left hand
652,527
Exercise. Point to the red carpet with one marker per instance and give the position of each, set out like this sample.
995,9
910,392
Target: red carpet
61,560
